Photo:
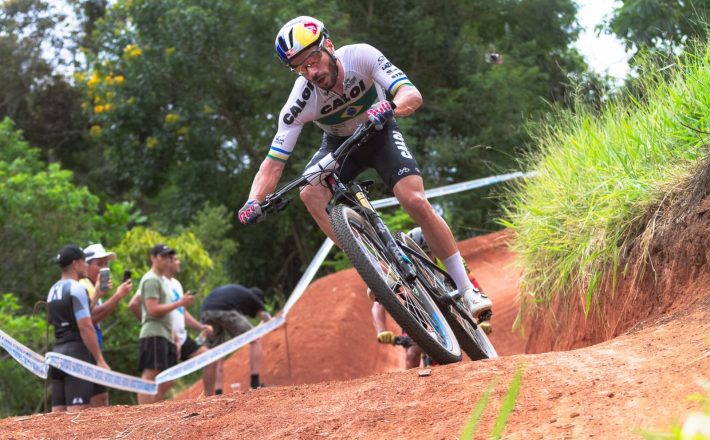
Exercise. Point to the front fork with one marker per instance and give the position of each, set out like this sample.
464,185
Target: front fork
403,261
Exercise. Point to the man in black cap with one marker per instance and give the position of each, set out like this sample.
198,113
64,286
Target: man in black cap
226,309
74,333
157,349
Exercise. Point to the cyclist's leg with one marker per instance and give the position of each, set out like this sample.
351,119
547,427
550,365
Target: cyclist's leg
399,169
316,198
317,195
414,357
410,193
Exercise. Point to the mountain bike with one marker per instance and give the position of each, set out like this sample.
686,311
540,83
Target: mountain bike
421,297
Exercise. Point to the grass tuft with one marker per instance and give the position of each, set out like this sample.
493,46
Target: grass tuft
599,176
470,429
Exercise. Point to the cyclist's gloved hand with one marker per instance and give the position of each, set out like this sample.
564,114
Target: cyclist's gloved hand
380,113
251,213
386,337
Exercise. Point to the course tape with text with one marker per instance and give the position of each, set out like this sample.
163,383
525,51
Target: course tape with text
26,357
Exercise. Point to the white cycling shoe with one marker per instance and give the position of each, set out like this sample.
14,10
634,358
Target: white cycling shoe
476,302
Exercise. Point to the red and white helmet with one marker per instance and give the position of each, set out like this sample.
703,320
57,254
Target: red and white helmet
298,35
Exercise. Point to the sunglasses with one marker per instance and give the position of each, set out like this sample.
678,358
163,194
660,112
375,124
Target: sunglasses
311,60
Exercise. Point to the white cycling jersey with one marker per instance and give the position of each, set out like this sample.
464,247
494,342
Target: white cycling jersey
368,74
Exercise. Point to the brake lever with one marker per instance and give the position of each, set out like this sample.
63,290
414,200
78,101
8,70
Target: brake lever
274,204
281,204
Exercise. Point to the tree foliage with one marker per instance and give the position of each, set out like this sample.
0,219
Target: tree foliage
33,92
41,210
662,27
183,100
22,391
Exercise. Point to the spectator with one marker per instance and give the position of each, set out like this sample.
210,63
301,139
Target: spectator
226,309
186,347
97,259
74,333
157,350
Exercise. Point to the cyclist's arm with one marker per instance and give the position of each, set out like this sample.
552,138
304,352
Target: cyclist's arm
266,179
406,96
297,111
408,100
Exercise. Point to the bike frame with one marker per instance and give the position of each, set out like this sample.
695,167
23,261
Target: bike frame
361,201
441,300
365,208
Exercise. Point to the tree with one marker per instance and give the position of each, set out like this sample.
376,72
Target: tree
662,27
22,391
41,101
41,210
182,95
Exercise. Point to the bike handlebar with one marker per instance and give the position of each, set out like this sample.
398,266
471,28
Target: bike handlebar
274,202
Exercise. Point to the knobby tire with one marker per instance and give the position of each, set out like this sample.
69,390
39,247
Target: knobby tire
343,220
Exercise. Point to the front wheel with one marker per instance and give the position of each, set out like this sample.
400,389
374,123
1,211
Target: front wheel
409,303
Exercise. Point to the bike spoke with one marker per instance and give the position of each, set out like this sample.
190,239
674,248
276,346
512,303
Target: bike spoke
408,296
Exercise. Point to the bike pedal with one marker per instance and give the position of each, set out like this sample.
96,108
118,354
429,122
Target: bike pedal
486,315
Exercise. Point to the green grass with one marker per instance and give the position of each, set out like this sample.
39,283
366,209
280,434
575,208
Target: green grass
599,175
508,404
477,412
505,409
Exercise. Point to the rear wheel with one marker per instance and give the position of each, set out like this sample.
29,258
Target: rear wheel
408,303
473,340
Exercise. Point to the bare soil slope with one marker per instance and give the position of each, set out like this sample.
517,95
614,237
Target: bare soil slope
640,379
330,332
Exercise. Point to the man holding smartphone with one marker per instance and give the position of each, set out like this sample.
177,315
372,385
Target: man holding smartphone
97,260
157,348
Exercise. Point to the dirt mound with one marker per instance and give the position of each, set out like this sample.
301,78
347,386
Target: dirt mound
330,336
611,390
668,270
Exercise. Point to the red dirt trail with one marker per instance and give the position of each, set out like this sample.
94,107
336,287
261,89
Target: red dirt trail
335,381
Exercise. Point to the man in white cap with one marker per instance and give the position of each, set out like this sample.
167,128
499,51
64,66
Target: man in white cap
96,259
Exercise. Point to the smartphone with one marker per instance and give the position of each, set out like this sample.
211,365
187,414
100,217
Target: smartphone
104,274
126,275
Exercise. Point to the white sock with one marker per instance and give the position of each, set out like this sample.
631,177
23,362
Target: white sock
454,266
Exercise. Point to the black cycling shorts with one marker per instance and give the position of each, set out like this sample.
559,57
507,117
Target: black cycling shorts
385,151
156,353
188,348
68,390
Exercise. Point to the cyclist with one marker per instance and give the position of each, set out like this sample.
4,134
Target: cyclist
338,90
